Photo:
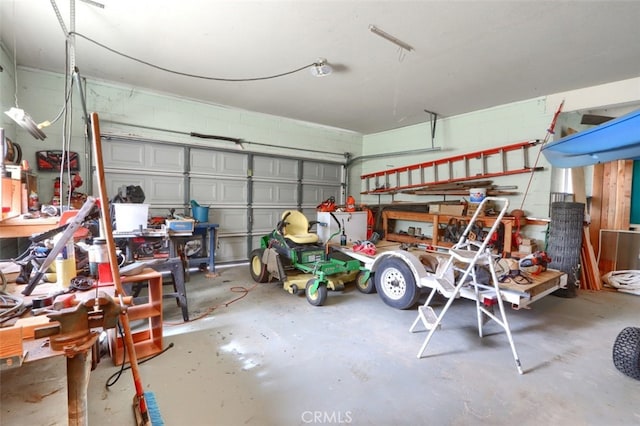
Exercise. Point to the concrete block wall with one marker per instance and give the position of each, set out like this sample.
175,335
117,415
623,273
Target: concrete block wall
479,130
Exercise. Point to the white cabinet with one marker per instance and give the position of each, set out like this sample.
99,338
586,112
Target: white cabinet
354,224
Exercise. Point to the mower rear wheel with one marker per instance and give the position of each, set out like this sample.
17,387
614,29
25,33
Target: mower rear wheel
367,286
258,269
626,352
319,297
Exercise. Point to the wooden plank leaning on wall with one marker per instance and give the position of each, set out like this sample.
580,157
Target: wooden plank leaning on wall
611,200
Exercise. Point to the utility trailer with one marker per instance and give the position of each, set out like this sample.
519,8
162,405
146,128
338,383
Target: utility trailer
398,275
399,278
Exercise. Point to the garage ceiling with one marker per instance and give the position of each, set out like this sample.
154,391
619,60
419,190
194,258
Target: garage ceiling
467,55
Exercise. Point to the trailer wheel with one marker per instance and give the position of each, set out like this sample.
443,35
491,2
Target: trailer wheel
258,269
368,286
396,284
626,352
319,297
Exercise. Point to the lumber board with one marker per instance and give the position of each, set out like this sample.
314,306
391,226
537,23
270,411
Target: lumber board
10,342
584,285
457,192
596,206
577,180
620,189
625,204
593,272
613,192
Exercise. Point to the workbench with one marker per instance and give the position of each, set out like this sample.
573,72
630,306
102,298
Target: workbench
436,223
68,407
205,233
18,227
38,352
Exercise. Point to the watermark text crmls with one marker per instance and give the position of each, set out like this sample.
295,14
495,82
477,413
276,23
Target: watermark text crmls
326,417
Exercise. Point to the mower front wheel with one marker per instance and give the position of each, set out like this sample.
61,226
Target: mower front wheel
367,286
319,297
257,268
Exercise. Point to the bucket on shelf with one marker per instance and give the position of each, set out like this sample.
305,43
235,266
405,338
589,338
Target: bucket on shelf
199,213
476,195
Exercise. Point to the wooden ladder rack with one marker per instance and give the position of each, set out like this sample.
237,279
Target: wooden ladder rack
448,170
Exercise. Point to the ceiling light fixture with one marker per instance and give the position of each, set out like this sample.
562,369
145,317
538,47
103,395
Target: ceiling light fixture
25,121
377,31
320,68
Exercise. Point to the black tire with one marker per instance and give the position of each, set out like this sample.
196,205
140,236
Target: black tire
258,269
626,352
319,297
366,287
396,284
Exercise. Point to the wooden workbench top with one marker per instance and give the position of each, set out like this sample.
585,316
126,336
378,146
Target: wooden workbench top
21,227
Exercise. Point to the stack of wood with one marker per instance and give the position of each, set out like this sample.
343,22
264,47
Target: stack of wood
462,189
589,271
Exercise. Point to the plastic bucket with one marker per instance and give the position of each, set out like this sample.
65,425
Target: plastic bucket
200,213
476,195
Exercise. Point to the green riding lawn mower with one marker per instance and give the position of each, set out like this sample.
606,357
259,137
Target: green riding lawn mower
293,255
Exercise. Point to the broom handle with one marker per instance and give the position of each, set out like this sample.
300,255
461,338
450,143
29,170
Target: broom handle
106,219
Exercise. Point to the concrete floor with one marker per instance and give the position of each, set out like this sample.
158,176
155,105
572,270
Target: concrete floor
271,358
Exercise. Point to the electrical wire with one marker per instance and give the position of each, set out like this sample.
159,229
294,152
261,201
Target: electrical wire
235,289
66,101
113,379
184,74
550,131
65,165
10,305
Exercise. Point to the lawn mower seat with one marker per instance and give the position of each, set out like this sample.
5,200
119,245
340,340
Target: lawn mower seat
296,228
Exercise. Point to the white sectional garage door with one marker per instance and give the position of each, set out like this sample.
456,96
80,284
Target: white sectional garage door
246,192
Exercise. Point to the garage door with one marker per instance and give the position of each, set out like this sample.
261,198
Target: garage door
246,192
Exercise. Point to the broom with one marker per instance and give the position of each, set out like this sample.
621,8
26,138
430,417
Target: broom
144,403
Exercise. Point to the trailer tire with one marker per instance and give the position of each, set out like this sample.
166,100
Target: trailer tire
396,284
366,287
257,268
626,352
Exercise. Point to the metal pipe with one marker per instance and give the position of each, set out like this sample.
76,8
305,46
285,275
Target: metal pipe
236,141
393,154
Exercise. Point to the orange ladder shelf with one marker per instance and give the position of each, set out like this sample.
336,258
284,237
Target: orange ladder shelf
460,168
147,341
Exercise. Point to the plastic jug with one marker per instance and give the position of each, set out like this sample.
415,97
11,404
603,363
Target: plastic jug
65,263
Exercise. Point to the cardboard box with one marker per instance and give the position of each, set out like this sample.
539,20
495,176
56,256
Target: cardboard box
11,198
527,249
451,209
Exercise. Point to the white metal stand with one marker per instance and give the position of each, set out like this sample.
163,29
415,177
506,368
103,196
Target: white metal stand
470,254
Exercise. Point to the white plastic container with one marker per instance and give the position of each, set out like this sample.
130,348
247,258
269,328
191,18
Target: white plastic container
476,195
65,264
131,217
